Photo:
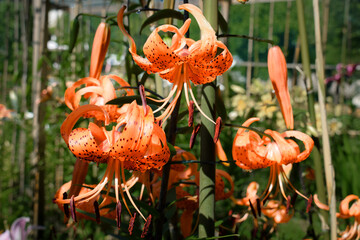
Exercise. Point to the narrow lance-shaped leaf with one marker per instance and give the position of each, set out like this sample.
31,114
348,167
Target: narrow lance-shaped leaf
162,14
74,34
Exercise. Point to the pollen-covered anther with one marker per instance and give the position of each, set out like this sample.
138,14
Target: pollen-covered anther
118,214
97,212
191,113
131,223
217,129
146,226
288,204
143,98
66,206
193,135
253,211
308,206
73,208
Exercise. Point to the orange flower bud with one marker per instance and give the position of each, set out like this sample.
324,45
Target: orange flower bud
278,76
99,49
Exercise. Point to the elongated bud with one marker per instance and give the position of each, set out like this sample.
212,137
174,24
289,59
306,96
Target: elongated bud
131,223
118,214
99,49
146,226
278,76
73,208
191,113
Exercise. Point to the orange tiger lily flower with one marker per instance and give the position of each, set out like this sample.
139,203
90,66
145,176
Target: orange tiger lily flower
250,151
135,143
346,211
184,60
278,76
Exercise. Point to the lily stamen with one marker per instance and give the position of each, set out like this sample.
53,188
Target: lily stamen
97,212
118,214
73,208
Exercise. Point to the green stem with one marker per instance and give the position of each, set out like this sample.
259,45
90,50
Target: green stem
329,169
207,171
316,156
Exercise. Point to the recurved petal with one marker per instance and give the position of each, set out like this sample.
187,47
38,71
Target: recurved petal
288,154
207,50
83,145
203,70
140,61
158,53
122,83
220,193
70,121
344,205
71,100
307,141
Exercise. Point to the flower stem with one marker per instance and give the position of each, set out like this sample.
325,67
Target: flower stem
329,169
316,156
207,171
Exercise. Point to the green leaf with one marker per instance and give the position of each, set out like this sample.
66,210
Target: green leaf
162,14
222,23
74,34
172,150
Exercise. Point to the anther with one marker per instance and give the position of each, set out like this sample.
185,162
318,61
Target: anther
309,204
191,113
73,208
143,98
118,214
131,223
146,226
252,209
217,129
97,211
258,205
288,204
66,206
193,135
